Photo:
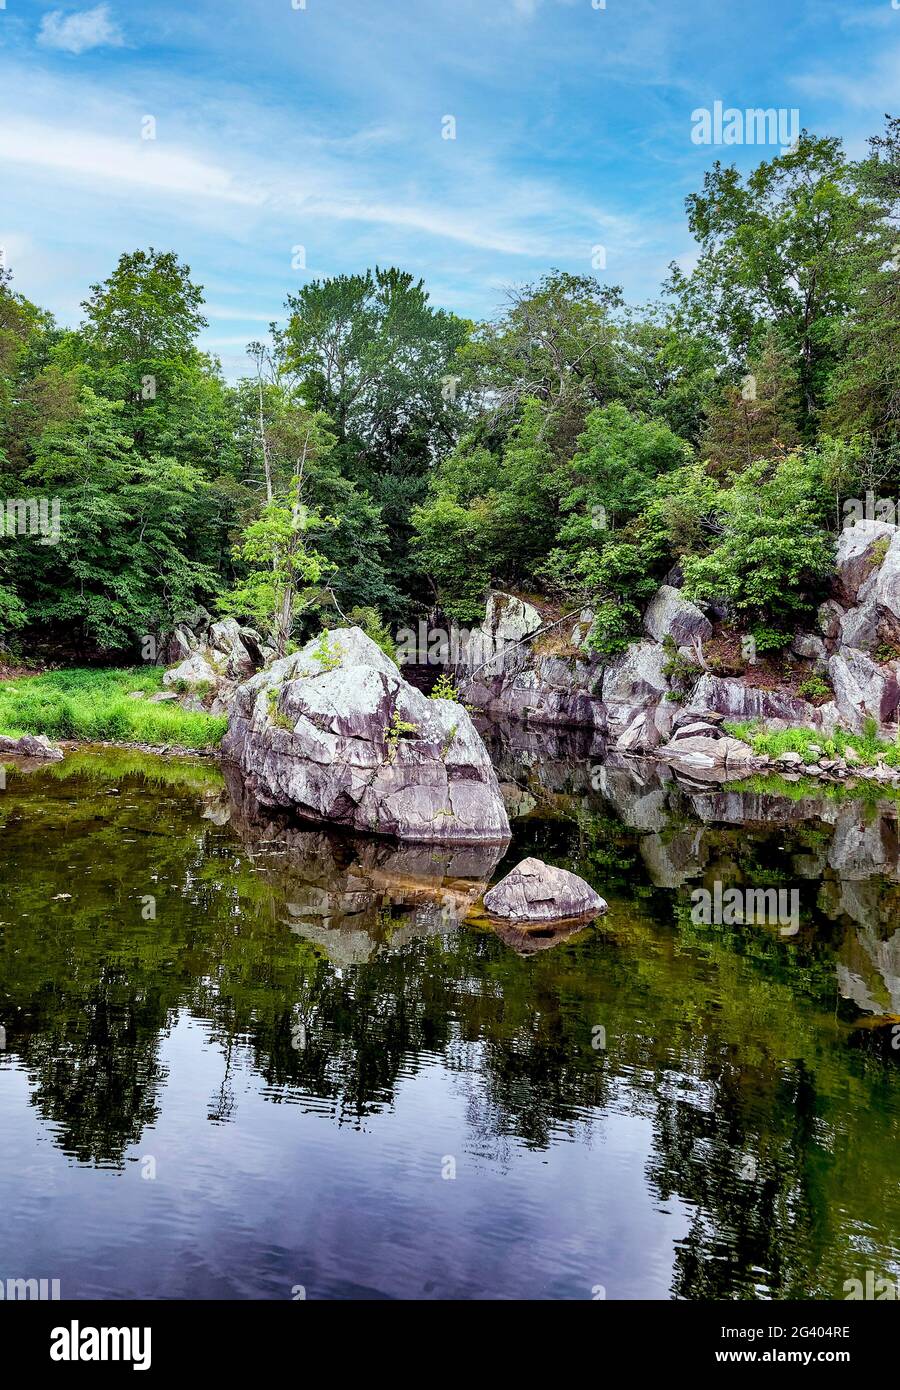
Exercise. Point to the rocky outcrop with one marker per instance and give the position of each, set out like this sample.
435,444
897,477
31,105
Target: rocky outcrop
710,750
862,690
336,736
537,892
670,615
212,659
30,746
740,703
856,558
638,699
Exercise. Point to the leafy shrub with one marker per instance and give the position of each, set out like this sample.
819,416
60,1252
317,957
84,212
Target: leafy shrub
445,688
615,626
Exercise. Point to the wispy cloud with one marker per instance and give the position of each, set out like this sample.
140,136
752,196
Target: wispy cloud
77,33
873,86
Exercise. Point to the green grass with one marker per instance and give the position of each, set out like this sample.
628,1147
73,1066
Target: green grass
770,784
90,705
870,748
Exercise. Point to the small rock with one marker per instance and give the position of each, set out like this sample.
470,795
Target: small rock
538,892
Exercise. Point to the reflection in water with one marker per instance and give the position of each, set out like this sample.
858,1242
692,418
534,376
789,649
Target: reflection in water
307,1034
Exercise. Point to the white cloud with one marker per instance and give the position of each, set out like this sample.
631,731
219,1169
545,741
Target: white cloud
76,33
104,159
874,89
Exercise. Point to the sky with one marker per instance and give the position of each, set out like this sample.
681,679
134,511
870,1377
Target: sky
476,143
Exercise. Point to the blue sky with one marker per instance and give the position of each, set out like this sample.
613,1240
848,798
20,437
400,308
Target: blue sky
321,127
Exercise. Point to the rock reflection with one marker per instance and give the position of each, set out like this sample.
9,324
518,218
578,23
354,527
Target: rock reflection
353,895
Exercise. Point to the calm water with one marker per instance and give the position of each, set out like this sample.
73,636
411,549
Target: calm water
316,1066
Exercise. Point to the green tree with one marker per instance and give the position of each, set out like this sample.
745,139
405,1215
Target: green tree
779,247
773,555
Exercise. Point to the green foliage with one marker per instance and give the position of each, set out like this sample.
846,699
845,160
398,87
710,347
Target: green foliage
280,566
397,729
768,639
91,705
554,448
445,688
814,687
773,555
327,657
369,620
868,746
614,626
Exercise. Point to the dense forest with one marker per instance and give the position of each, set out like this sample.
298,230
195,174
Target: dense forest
385,458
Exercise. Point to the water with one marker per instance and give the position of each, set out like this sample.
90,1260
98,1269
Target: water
248,1061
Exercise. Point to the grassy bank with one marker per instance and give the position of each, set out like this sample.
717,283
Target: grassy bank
812,745
95,704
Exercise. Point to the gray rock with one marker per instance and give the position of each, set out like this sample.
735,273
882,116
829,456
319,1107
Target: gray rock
636,676
740,702
538,892
862,690
883,585
705,751
808,646
859,626
855,557
31,746
695,727
829,619
349,742
510,619
670,615
196,670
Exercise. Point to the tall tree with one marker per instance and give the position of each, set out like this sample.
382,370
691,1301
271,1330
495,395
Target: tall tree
779,247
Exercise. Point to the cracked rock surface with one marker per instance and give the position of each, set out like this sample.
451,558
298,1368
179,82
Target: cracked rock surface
335,735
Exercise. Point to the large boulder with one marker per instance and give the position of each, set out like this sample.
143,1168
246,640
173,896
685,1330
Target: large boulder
708,752
862,689
335,735
537,892
859,627
857,556
637,677
510,619
882,587
671,615
739,702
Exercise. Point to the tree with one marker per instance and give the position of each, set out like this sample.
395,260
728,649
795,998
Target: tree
280,566
757,420
864,395
124,564
374,354
773,554
779,248
148,308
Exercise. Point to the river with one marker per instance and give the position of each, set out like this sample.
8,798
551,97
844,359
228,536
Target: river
246,1060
